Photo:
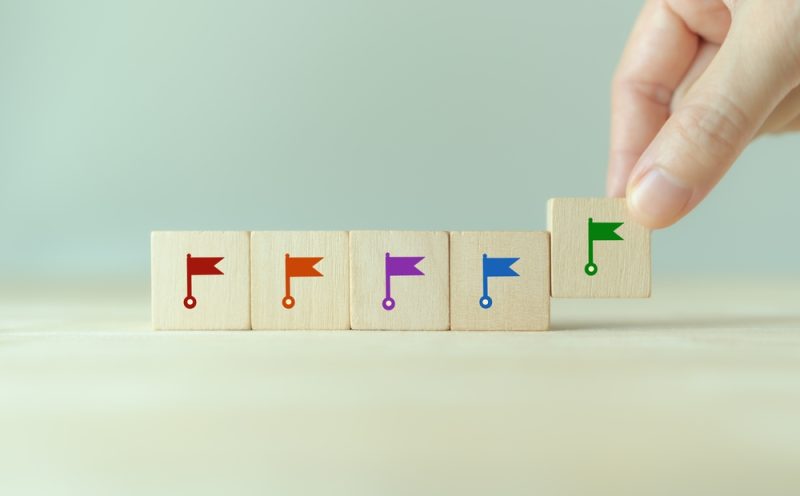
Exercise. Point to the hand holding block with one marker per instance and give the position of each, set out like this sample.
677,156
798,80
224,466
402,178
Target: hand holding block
300,280
597,251
499,281
200,280
399,280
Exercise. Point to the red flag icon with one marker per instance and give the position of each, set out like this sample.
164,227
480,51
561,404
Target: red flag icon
199,266
202,266
298,267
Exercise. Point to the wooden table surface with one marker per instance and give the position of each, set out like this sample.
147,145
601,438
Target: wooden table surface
694,391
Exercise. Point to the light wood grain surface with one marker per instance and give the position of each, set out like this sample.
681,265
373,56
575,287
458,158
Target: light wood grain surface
520,303
319,302
422,302
222,301
695,391
622,266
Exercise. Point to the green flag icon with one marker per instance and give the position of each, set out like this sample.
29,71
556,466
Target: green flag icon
600,231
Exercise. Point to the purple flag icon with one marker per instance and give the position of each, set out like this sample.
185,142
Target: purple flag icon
398,266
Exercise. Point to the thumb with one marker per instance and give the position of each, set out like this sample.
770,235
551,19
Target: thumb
753,71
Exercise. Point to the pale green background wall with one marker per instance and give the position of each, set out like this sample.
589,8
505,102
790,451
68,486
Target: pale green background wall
117,118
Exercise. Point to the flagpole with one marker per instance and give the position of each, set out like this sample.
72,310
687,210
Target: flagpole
591,267
189,302
288,301
486,300
388,301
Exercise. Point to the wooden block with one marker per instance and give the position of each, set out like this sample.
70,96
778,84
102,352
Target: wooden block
499,281
616,264
300,280
200,280
399,280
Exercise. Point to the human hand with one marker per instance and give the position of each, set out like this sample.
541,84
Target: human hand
698,81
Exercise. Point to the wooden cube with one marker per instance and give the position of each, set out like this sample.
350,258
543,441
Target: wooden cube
300,280
399,280
200,280
597,251
499,281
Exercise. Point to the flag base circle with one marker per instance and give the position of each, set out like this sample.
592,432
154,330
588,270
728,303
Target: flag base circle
388,304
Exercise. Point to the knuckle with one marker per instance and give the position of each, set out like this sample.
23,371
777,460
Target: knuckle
714,130
642,90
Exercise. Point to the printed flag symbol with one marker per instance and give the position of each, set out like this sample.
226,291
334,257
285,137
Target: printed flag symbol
398,266
495,267
298,267
199,266
600,231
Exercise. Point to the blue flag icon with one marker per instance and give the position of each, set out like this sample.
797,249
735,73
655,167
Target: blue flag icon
495,267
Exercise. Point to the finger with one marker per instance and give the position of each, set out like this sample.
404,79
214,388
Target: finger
705,54
778,121
721,113
710,19
658,53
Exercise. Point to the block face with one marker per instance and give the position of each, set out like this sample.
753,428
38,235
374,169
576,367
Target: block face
200,279
616,264
417,266
516,274
318,280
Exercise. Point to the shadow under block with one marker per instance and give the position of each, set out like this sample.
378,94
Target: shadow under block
200,280
399,280
515,275
318,292
616,264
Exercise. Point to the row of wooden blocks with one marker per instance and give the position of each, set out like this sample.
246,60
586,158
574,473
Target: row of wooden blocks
398,279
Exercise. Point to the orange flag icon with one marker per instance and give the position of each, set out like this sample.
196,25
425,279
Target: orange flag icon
298,267
302,266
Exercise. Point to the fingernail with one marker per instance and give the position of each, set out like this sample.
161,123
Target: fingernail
659,197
